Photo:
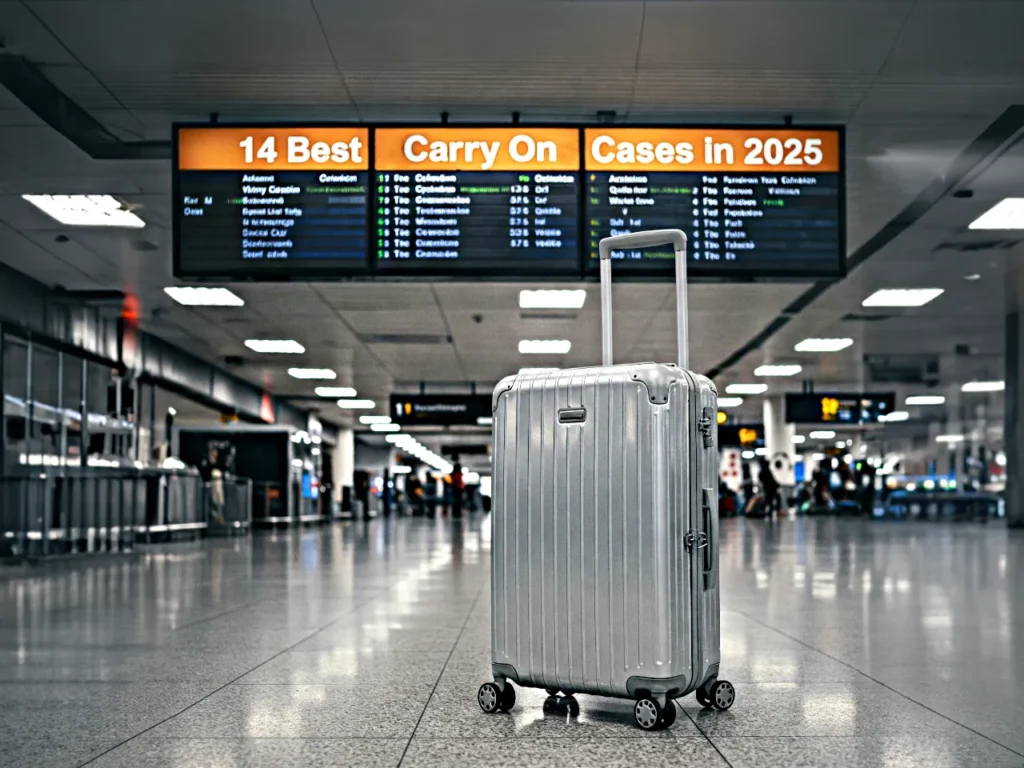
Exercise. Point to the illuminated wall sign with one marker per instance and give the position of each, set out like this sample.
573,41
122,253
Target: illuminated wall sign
838,407
270,201
464,200
760,202
439,410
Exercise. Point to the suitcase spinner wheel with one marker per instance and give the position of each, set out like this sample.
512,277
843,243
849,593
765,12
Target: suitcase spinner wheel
652,716
494,699
718,694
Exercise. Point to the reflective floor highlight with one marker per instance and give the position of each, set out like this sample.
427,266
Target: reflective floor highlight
851,643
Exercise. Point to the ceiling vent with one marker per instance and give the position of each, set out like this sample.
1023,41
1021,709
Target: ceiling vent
417,339
857,317
546,314
903,369
993,244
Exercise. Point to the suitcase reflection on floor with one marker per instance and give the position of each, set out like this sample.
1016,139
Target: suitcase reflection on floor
604,569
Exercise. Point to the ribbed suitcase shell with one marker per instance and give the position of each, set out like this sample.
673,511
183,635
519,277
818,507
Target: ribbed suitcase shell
593,588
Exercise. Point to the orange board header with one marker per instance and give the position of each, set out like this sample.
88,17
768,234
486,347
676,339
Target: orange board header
715,149
476,149
282,149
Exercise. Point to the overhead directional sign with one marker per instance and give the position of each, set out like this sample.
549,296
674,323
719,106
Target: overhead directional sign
440,410
838,407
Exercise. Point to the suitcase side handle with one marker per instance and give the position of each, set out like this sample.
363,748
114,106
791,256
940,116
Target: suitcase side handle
649,239
711,529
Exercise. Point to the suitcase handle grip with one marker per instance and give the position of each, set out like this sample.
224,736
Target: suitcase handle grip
649,239
711,529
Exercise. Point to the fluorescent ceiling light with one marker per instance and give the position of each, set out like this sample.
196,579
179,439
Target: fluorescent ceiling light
925,400
190,296
362,405
823,345
760,451
396,438
949,439
401,469
822,434
840,444
385,428
484,421
797,439
374,419
745,389
777,370
312,373
335,392
544,346
817,457
1007,214
86,210
894,416
536,370
747,454
275,346
561,299
730,402
983,386
901,297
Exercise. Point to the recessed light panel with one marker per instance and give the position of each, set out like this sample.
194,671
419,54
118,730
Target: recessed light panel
983,386
902,297
730,402
544,346
86,210
335,392
823,345
925,400
746,389
356,404
1007,214
777,370
557,299
312,373
275,346
191,296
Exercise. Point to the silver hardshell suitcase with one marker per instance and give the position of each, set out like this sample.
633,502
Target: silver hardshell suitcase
604,555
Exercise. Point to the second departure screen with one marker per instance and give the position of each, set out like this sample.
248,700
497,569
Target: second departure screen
760,202
477,200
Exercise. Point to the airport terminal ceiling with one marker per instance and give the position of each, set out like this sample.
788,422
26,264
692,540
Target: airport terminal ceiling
920,125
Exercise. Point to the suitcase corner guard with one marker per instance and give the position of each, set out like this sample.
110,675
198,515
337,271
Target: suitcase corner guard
658,379
673,687
505,670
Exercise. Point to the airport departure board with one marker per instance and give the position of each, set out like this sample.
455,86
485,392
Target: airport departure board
853,408
476,201
752,202
271,201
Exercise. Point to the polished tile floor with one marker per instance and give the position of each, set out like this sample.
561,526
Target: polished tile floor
851,643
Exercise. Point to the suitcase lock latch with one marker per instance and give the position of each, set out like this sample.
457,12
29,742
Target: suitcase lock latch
695,540
704,425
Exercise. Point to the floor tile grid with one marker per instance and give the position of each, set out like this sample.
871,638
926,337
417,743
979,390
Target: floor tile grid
330,624
426,704
882,683
681,709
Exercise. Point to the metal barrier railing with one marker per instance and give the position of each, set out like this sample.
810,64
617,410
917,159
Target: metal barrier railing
918,505
44,514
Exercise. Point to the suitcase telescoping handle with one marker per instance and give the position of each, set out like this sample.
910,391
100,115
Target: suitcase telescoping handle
649,239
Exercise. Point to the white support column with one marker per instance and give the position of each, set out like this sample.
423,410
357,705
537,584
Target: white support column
344,461
778,440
